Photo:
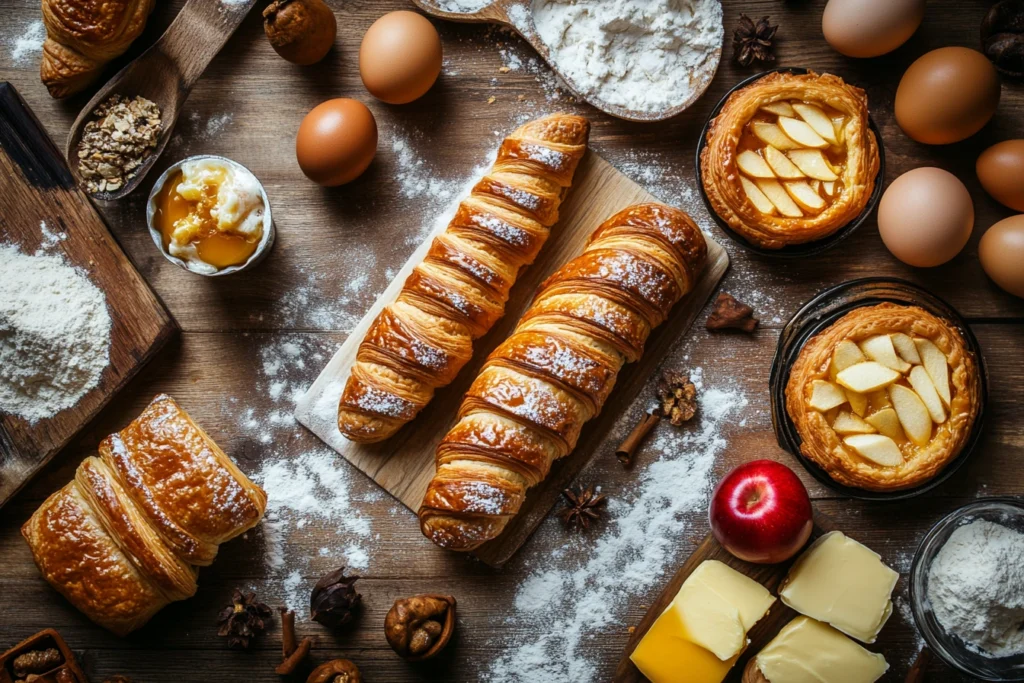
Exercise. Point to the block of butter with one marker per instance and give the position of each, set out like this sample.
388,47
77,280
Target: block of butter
843,583
808,651
701,633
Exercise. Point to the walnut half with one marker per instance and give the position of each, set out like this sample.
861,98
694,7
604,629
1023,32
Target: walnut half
336,671
419,627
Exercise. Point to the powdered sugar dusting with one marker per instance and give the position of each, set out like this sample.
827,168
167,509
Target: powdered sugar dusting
29,43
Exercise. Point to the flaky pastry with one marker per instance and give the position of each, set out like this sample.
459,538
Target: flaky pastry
790,158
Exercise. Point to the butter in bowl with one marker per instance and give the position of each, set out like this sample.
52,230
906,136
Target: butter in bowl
211,216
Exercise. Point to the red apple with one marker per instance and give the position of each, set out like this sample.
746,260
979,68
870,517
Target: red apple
760,512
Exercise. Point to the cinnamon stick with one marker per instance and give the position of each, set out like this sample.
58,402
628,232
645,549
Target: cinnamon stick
627,450
292,661
287,632
917,671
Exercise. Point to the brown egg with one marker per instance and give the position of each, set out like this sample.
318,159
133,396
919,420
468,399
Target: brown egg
1001,253
947,95
925,217
1001,172
400,57
869,28
336,142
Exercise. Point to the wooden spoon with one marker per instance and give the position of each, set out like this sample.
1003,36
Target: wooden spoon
517,15
165,74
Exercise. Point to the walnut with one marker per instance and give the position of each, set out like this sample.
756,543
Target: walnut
37,662
419,627
336,671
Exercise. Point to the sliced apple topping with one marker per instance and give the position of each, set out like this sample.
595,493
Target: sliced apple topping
877,448
780,163
816,119
801,133
779,108
935,363
813,164
858,402
879,348
839,125
829,187
753,165
804,195
848,423
887,422
757,197
925,388
772,135
778,196
846,354
906,347
879,399
913,414
825,395
867,376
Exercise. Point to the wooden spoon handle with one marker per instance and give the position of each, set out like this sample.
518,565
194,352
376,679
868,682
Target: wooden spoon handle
199,32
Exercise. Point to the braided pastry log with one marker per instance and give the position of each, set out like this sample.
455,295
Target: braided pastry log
422,340
526,408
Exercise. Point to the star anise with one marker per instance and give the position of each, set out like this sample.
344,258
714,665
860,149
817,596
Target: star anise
243,619
677,396
753,42
583,508
334,601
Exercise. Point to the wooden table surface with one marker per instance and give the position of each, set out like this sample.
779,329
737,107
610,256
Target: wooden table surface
335,251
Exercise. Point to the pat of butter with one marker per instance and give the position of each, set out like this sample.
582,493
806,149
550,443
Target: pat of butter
701,633
808,651
843,583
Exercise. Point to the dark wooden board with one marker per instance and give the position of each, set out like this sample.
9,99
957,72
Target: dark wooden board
768,575
36,185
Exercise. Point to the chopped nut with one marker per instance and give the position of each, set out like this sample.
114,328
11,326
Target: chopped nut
504,70
115,144
731,314
419,627
678,397
492,99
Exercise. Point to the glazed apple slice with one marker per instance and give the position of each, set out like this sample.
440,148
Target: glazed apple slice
839,125
906,347
779,108
925,388
812,162
829,187
913,414
877,448
848,423
879,399
867,376
757,197
935,363
801,133
879,348
887,422
816,119
858,402
778,196
846,354
825,395
772,135
780,163
753,165
805,196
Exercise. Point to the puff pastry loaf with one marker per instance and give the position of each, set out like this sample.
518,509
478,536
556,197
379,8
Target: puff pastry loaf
533,395
82,36
421,341
123,539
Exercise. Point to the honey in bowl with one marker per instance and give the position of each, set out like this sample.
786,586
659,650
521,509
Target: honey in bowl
210,215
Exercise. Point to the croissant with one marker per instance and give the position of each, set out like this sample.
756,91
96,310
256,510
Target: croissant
82,36
124,537
422,340
526,407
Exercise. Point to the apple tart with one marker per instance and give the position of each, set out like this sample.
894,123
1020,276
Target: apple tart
885,397
790,158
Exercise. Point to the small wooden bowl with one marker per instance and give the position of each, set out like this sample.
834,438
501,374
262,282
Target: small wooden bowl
68,670
447,629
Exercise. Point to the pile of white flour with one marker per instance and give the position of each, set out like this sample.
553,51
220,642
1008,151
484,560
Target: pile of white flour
638,54
976,587
54,334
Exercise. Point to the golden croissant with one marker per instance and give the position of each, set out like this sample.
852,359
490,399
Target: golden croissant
124,538
526,407
82,36
421,341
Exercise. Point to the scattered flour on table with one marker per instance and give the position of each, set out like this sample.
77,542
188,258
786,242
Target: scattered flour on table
54,331
462,6
558,609
29,43
638,54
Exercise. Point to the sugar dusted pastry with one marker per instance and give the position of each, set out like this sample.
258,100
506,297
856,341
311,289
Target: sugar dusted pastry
528,404
124,538
884,398
790,158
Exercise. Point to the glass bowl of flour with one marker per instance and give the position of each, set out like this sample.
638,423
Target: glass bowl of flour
967,589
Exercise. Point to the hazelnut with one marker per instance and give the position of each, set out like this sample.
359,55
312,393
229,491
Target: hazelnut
419,627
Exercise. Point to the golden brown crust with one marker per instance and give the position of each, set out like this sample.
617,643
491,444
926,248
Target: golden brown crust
555,371
420,342
721,176
83,35
823,446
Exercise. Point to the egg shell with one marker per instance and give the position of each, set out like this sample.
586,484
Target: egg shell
400,57
869,28
1001,252
1001,172
947,95
337,140
925,217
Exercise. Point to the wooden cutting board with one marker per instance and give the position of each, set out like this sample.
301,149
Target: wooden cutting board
768,575
36,186
404,464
